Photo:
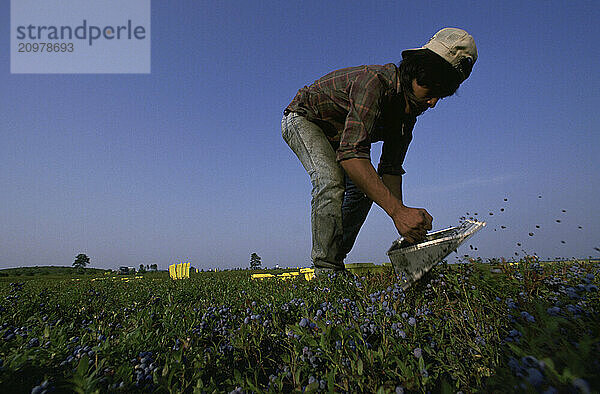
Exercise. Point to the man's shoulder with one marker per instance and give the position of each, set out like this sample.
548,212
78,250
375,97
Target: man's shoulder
388,68
386,73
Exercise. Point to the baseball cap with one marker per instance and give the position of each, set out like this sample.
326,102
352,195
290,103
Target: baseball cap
454,45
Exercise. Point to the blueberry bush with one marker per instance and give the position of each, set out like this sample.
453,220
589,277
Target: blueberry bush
471,327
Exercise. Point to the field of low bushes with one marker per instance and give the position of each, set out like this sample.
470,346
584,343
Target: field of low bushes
470,327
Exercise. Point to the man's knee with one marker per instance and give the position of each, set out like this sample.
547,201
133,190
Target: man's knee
327,184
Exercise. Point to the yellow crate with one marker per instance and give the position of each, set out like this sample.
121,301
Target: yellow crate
179,271
262,276
288,275
307,272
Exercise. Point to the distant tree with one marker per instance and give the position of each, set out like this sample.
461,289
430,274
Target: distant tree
154,267
142,269
81,261
255,261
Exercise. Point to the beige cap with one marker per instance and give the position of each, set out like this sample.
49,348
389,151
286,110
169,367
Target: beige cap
456,46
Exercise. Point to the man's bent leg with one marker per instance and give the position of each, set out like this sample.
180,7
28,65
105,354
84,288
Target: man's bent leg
355,209
313,149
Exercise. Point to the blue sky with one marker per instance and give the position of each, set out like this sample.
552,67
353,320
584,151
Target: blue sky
187,163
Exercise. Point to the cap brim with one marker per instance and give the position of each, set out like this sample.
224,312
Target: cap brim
409,52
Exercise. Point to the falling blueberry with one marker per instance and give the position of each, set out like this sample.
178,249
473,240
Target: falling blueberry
562,242
518,244
579,227
502,226
537,226
491,213
557,221
506,199
531,234
539,196
564,210
501,209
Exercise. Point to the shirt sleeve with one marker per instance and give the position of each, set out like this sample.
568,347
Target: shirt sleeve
364,96
394,151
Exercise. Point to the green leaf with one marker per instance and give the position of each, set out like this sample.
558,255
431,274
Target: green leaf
331,379
446,387
251,385
83,366
312,387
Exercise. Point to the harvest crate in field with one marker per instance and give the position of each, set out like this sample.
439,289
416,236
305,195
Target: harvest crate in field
179,271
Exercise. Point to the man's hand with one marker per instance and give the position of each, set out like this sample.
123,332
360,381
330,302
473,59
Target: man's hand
412,223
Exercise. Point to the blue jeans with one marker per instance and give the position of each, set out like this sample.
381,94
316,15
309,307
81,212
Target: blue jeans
338,207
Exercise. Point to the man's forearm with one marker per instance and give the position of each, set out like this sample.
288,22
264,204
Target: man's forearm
394,184
363,174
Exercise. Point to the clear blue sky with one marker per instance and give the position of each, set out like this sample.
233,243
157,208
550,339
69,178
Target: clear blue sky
188,164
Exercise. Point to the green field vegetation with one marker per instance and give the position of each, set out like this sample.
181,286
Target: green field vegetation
464,327
25,273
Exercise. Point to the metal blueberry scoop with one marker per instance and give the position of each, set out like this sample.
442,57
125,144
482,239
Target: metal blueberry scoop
414,260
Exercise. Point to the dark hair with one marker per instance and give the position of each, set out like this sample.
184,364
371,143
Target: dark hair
431,71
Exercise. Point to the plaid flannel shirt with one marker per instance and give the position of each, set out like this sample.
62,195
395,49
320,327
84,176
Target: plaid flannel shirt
357,106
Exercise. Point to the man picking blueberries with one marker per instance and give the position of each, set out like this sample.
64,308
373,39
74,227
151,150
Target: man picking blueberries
331,124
